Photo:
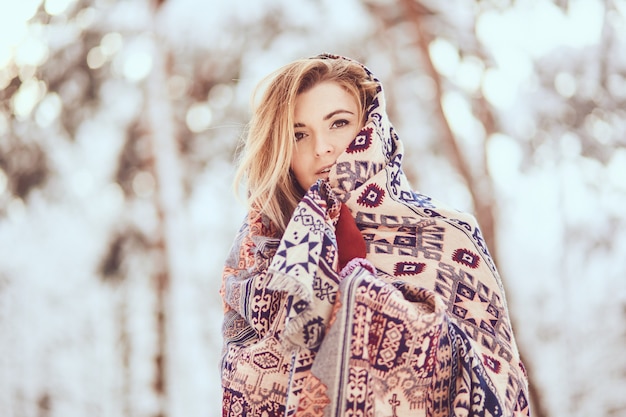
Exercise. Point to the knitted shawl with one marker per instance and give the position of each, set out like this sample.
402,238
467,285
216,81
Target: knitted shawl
420,327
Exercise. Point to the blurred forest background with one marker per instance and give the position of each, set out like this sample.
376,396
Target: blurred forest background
118,128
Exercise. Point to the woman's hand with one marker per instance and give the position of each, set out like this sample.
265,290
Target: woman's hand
350,242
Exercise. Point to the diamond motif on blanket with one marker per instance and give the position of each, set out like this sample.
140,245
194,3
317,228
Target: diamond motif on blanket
491,363
522,402
236,406
408,268
372,196
389,348
393,334
466,257
408,241
362,141
266,360
388,355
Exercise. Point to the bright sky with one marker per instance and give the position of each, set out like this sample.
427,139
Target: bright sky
514,37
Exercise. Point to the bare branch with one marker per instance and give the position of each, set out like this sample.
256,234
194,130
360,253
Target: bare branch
479,188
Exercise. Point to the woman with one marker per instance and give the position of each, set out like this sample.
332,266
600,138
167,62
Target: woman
347,293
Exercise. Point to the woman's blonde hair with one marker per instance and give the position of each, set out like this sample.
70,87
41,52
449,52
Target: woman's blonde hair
266,156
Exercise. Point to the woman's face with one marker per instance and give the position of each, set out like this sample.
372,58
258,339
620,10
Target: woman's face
326,121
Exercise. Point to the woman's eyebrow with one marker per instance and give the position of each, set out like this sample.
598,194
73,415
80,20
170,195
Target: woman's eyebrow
328,116
331,114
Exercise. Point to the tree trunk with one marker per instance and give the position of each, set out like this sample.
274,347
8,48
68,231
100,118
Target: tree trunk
480,186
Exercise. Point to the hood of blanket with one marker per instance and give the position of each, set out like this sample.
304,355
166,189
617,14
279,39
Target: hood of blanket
375,147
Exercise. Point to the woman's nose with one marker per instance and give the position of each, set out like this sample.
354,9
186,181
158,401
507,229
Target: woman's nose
323,145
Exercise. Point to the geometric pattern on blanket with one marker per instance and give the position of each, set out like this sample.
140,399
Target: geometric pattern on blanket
420,327
405,365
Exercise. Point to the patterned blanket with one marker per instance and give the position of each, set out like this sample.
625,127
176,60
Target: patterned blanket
419,328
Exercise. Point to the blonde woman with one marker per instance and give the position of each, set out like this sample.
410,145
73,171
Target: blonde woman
346,292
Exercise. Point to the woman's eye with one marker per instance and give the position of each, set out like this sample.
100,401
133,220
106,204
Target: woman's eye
300,135
340,123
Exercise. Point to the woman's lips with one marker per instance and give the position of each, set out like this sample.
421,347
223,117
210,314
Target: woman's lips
324,170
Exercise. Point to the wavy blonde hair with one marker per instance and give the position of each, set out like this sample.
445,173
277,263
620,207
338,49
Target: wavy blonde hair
265,159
